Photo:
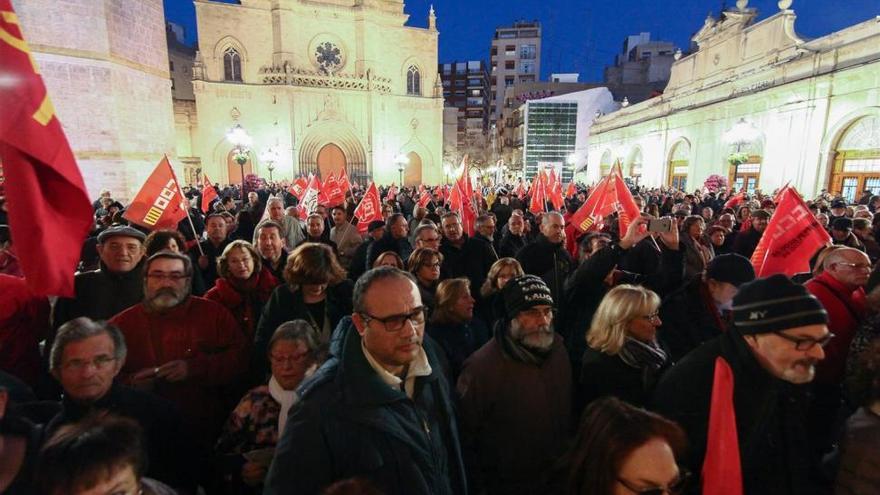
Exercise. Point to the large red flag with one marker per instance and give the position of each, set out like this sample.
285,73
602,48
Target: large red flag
369,209
50,214
298,188
791,238
571,190
158,204
722,471
553,190
595,207
333,194
311,197
467,211
343,181
208,193
626,204
538,201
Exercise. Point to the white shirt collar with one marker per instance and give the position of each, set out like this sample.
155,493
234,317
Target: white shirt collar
418,367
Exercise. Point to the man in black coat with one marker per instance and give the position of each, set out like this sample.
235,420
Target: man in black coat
700,310
547,257
747,241
464,256
512,238
396,239
379,409
375,229
777,338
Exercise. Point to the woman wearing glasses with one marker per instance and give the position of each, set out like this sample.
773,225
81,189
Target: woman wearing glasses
424,264
623,358
624,450
252,430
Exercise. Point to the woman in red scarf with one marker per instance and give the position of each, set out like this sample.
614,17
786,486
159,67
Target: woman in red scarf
244,285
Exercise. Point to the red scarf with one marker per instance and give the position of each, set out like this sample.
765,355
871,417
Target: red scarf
239,296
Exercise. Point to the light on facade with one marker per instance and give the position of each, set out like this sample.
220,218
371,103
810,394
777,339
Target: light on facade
741,134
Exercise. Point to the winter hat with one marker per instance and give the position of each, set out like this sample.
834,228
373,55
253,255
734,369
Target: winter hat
522,293
842,223
761,214
120,230
775,303
838,203
731,268
375,224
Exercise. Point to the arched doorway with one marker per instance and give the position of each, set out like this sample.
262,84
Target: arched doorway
678,165
331,160
857,160
635,165
412,174
605,163
233,169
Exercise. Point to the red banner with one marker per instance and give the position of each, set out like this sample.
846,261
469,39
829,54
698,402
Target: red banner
333,194
791,238
722,471
369,209
570,191
298,188
208,193
626,204
343,181
538,202
599,203
50,214
553,191
424,199
158,203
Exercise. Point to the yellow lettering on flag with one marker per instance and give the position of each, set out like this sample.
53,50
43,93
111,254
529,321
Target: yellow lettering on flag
46,111
9,17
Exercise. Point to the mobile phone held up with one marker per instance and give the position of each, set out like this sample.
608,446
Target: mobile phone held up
661,225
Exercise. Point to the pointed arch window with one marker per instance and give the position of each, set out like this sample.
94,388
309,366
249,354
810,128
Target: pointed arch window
231,65
413,81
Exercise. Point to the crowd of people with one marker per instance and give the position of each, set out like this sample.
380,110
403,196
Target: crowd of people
262,349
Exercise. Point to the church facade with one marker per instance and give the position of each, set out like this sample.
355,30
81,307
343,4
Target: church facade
318,85
759,105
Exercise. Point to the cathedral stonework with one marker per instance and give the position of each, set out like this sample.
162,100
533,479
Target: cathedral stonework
322,84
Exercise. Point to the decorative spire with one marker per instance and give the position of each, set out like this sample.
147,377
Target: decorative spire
432,19
784,4
742,4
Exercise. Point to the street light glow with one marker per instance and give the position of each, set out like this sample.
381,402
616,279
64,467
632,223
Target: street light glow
239,137
741,134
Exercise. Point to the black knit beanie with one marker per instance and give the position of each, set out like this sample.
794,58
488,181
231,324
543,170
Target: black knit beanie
775,303
522,293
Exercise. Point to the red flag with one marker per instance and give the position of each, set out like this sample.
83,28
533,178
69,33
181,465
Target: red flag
369,209
520,190
298,188
343,181
49,209
595,207
791,238
722,471
570,191
440,192
311,198
735,200
538,201
553,191
158,204
626,204
208,193
424,199
779,193
468,211
333,194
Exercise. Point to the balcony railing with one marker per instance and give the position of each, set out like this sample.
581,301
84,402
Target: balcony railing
288,75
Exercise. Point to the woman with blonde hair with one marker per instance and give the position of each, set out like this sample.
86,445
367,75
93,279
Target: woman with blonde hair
623,358
453,325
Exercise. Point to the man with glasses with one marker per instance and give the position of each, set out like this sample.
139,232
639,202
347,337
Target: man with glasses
85,358
181,347
515,396
380,408
778,334
427,236
840,288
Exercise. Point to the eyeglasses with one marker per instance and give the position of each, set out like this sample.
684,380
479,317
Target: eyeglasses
675,488
655,316
174,277
806,343
100,363
290,359
435,264
855,266
430,239
395,323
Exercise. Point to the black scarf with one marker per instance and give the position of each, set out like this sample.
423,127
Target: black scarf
641,355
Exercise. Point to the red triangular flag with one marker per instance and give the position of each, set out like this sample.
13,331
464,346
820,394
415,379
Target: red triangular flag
333,194
424,199
722,471
310,200
554,191
298,188
791,238
369,209
594,209
538,203
440,192
343,181
158,204
49,209
209,194
571,190
735,200
627,208
468,211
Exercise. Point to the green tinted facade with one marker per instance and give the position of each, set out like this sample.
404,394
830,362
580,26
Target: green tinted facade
551,128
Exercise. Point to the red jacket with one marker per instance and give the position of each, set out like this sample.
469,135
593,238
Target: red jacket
846,311
199,331
24,321
245,302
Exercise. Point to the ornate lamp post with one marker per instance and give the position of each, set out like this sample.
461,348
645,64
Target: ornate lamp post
241,143
741,134
270,156
402,161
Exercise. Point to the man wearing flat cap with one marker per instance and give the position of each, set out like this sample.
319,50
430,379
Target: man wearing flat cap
115,285
515,396
778,334
700,310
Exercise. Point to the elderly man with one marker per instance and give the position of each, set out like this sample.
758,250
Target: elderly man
85,359
464,256
395,239
514,239
547,256
840,288
427,235
515,396
116,285
375,231
271,248
183,348
291,227
379,409
345,235
316,231
484,230
777,337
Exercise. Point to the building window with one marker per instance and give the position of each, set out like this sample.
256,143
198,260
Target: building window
413,81
528,52
508,82
527,67
510,65
231,65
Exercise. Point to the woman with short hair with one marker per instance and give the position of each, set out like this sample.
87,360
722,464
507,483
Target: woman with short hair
491,307
623,358
389,258
424,264
453,324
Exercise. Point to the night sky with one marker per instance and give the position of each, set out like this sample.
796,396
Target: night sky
584,36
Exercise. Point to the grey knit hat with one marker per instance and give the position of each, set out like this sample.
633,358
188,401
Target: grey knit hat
775,303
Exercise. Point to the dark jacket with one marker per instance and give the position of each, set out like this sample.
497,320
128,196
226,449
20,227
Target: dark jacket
287,305
168,447
203,279
472,260
643,258
388,243
101,294
358,264
605,375
859,472
510,245
689,318
349,423
549,261
459,341
770,416
746,242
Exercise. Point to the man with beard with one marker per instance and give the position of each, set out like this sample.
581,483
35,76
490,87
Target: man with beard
181,347
271,248
515,396
779,330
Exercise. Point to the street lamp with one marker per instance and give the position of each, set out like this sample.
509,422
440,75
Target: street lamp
402,161
270,156
241,143
447,170
741,134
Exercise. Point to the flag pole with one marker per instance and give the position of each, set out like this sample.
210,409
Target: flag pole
192,226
